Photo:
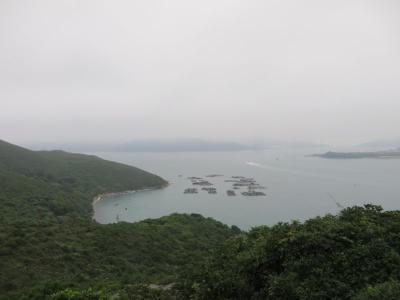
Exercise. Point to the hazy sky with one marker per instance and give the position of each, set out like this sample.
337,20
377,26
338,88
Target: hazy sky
91,70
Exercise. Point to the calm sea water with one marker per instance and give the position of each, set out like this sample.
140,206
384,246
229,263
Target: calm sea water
298,187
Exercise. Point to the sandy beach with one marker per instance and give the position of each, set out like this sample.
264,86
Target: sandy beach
102,196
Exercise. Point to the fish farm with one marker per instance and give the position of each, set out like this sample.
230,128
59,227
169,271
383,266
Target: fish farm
246,186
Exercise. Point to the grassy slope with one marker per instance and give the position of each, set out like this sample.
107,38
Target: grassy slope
46,234
85,172
57,183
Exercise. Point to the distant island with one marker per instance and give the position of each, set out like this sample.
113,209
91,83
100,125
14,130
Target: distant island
171,145
391,154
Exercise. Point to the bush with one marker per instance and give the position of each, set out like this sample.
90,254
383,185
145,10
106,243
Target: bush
333,257
389,290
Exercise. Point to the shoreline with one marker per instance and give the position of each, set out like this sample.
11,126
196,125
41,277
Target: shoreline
101,197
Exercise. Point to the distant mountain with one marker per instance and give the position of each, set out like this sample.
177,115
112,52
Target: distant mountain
265,143
393,143
178,145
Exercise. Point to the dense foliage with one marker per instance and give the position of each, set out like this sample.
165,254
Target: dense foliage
50,247
333,257
388,290
82,254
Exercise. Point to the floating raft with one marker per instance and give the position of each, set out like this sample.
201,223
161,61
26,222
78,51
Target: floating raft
231,193
202,183
253,193
244,184
190,191
211,190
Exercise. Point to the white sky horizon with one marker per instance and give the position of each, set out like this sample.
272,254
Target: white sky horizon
317,71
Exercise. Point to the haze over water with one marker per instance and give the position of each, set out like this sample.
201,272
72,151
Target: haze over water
298,187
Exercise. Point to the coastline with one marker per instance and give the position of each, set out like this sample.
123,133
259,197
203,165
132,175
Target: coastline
101,197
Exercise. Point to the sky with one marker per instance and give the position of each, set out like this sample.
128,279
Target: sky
91,70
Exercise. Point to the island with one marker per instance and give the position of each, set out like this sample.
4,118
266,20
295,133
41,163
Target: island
386,154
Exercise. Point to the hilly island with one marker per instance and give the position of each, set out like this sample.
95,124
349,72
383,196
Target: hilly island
386,154
50,248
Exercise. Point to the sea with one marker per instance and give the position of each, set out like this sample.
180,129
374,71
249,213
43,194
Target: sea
297,186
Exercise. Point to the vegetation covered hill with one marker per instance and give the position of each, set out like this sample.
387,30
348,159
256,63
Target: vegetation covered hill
40,258
48,241
54,184
51,249
355,255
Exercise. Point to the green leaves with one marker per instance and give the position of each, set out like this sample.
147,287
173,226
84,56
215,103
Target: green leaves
70,294
332,257
79,254
389,290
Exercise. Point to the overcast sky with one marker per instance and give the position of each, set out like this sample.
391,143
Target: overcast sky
91,70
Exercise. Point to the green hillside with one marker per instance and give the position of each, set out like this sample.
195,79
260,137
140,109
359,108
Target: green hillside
51,184
38,257
354,255
48,241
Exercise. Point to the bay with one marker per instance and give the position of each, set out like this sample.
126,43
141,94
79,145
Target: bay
298,187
